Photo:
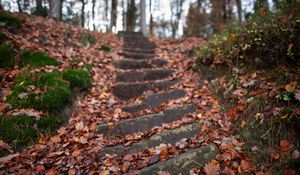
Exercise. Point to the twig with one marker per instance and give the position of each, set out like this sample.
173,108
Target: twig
266,133
197,163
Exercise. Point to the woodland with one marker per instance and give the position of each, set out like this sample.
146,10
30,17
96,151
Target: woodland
150,87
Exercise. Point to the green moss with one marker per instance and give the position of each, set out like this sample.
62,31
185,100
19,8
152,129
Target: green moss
105,48
6,56
23,130
55,92
87,39
37,59
78,78
10,20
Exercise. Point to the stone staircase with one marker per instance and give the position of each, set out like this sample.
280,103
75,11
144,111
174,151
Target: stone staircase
139,72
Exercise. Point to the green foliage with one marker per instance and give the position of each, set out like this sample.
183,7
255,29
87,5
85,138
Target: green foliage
6,56
22,130
77,78
8,19
267,39
87,39
52,91
37,59
105,48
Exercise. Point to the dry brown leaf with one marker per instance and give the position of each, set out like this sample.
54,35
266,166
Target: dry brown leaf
212,168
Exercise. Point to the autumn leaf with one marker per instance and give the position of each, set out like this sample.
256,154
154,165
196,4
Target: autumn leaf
285,145
291,87
39,169
55,139
212,168
52,171
79,126
289,172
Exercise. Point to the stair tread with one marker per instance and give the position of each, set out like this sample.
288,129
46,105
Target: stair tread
145,75
185,162
154,100
139,63
126,91
166,137
146,122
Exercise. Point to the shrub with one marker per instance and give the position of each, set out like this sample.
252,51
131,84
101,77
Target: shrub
6,56
105,48
267,39
77,78
10,20
22,130
37,59
52,91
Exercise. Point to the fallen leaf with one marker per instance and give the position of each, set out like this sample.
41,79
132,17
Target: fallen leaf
79,126
212,168
289,172
52,171
76,153
285,145
55,139
8,158
291,87
39,169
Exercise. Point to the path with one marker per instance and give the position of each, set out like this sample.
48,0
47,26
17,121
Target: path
141,71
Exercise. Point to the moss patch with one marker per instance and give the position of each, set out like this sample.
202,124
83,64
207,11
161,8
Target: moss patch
77,78
21,130
6,56
10,20
37,59
105,48
43,91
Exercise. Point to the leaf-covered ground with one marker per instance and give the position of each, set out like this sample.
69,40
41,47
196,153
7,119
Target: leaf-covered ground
73,149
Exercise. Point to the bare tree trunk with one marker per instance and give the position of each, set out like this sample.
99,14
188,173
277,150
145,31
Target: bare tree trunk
83,12
106,15
19,6
124,15
151,19
130,16
143,16
239,8
177,13
113,18
93,14
55,9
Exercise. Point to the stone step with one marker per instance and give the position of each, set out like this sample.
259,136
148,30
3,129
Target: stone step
145,123
139,46
126,91
166,137
135,38
148,51
139,64
144,75
137,55
127,33
195,158
154,100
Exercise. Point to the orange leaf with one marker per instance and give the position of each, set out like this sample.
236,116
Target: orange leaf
285,145
52,171
212,168
291,87
39,169
289,172
76,153
55,139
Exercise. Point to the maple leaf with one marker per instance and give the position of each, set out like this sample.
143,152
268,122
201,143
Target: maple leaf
285,145
212,168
